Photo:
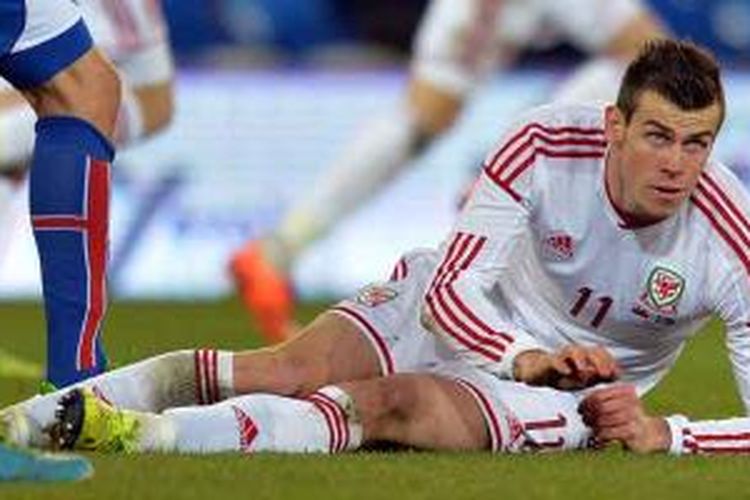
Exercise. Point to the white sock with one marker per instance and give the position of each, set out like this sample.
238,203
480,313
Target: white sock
16,135
375,156
129,127
178,378
324,423
596,80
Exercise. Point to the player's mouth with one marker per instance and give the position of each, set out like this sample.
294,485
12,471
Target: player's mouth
668,193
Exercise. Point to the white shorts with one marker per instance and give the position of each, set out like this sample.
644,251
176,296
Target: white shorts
518,417
45,19
39,38
134,36
460,42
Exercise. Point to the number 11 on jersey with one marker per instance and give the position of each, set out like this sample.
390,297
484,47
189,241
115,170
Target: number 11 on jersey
584,296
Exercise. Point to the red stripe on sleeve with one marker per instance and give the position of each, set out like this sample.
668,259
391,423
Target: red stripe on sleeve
727,200
722,231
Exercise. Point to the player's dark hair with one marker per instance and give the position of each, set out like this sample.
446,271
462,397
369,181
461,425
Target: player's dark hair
679,71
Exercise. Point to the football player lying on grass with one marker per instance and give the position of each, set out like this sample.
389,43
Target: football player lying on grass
599,239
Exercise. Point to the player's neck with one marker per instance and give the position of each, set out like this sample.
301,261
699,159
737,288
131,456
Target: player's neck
615,194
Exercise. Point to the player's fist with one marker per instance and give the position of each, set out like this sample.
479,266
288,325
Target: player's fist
616,414
572,367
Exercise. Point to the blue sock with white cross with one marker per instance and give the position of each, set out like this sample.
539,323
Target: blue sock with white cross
69,199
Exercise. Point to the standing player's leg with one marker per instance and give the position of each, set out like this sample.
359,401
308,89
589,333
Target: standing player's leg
612,33
441,79
144,110
16,129
75,92
69,198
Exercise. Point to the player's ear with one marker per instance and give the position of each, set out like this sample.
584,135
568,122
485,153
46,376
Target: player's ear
614,124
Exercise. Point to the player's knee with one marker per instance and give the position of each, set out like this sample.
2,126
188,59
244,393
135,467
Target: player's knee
107,86
433,110
397,398
431,125
89,89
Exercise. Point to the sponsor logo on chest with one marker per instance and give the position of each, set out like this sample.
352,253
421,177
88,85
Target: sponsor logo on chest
663,291
558,246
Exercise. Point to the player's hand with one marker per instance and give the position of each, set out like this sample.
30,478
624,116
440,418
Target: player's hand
616,414
573,367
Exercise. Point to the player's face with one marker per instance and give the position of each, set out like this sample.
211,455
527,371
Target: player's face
657,156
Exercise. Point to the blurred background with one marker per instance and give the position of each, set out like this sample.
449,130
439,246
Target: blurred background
267,93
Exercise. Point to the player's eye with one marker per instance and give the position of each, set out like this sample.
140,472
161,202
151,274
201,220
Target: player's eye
657,138
695,146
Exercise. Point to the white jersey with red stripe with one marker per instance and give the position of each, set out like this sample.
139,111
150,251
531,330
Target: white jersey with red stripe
709,437
458,43
540,258
133,33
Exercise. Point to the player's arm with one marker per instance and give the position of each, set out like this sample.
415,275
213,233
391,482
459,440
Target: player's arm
728,275
616,414
458,305
570,368
463,303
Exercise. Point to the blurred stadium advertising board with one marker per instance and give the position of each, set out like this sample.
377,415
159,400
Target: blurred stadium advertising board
243,146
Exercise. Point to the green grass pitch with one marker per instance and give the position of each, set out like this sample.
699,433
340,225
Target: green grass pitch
701,385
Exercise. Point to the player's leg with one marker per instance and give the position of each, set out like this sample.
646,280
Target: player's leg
146,107
447,64
144,111
374,333
424,411
75,92
357,342
416,410
148,94
464,409
11,213
16,143
69,199
367,164
150,385
612,32
329,350
16,129
459,407
626,41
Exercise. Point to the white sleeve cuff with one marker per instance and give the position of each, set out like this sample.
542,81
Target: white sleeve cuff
676,423
505,367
